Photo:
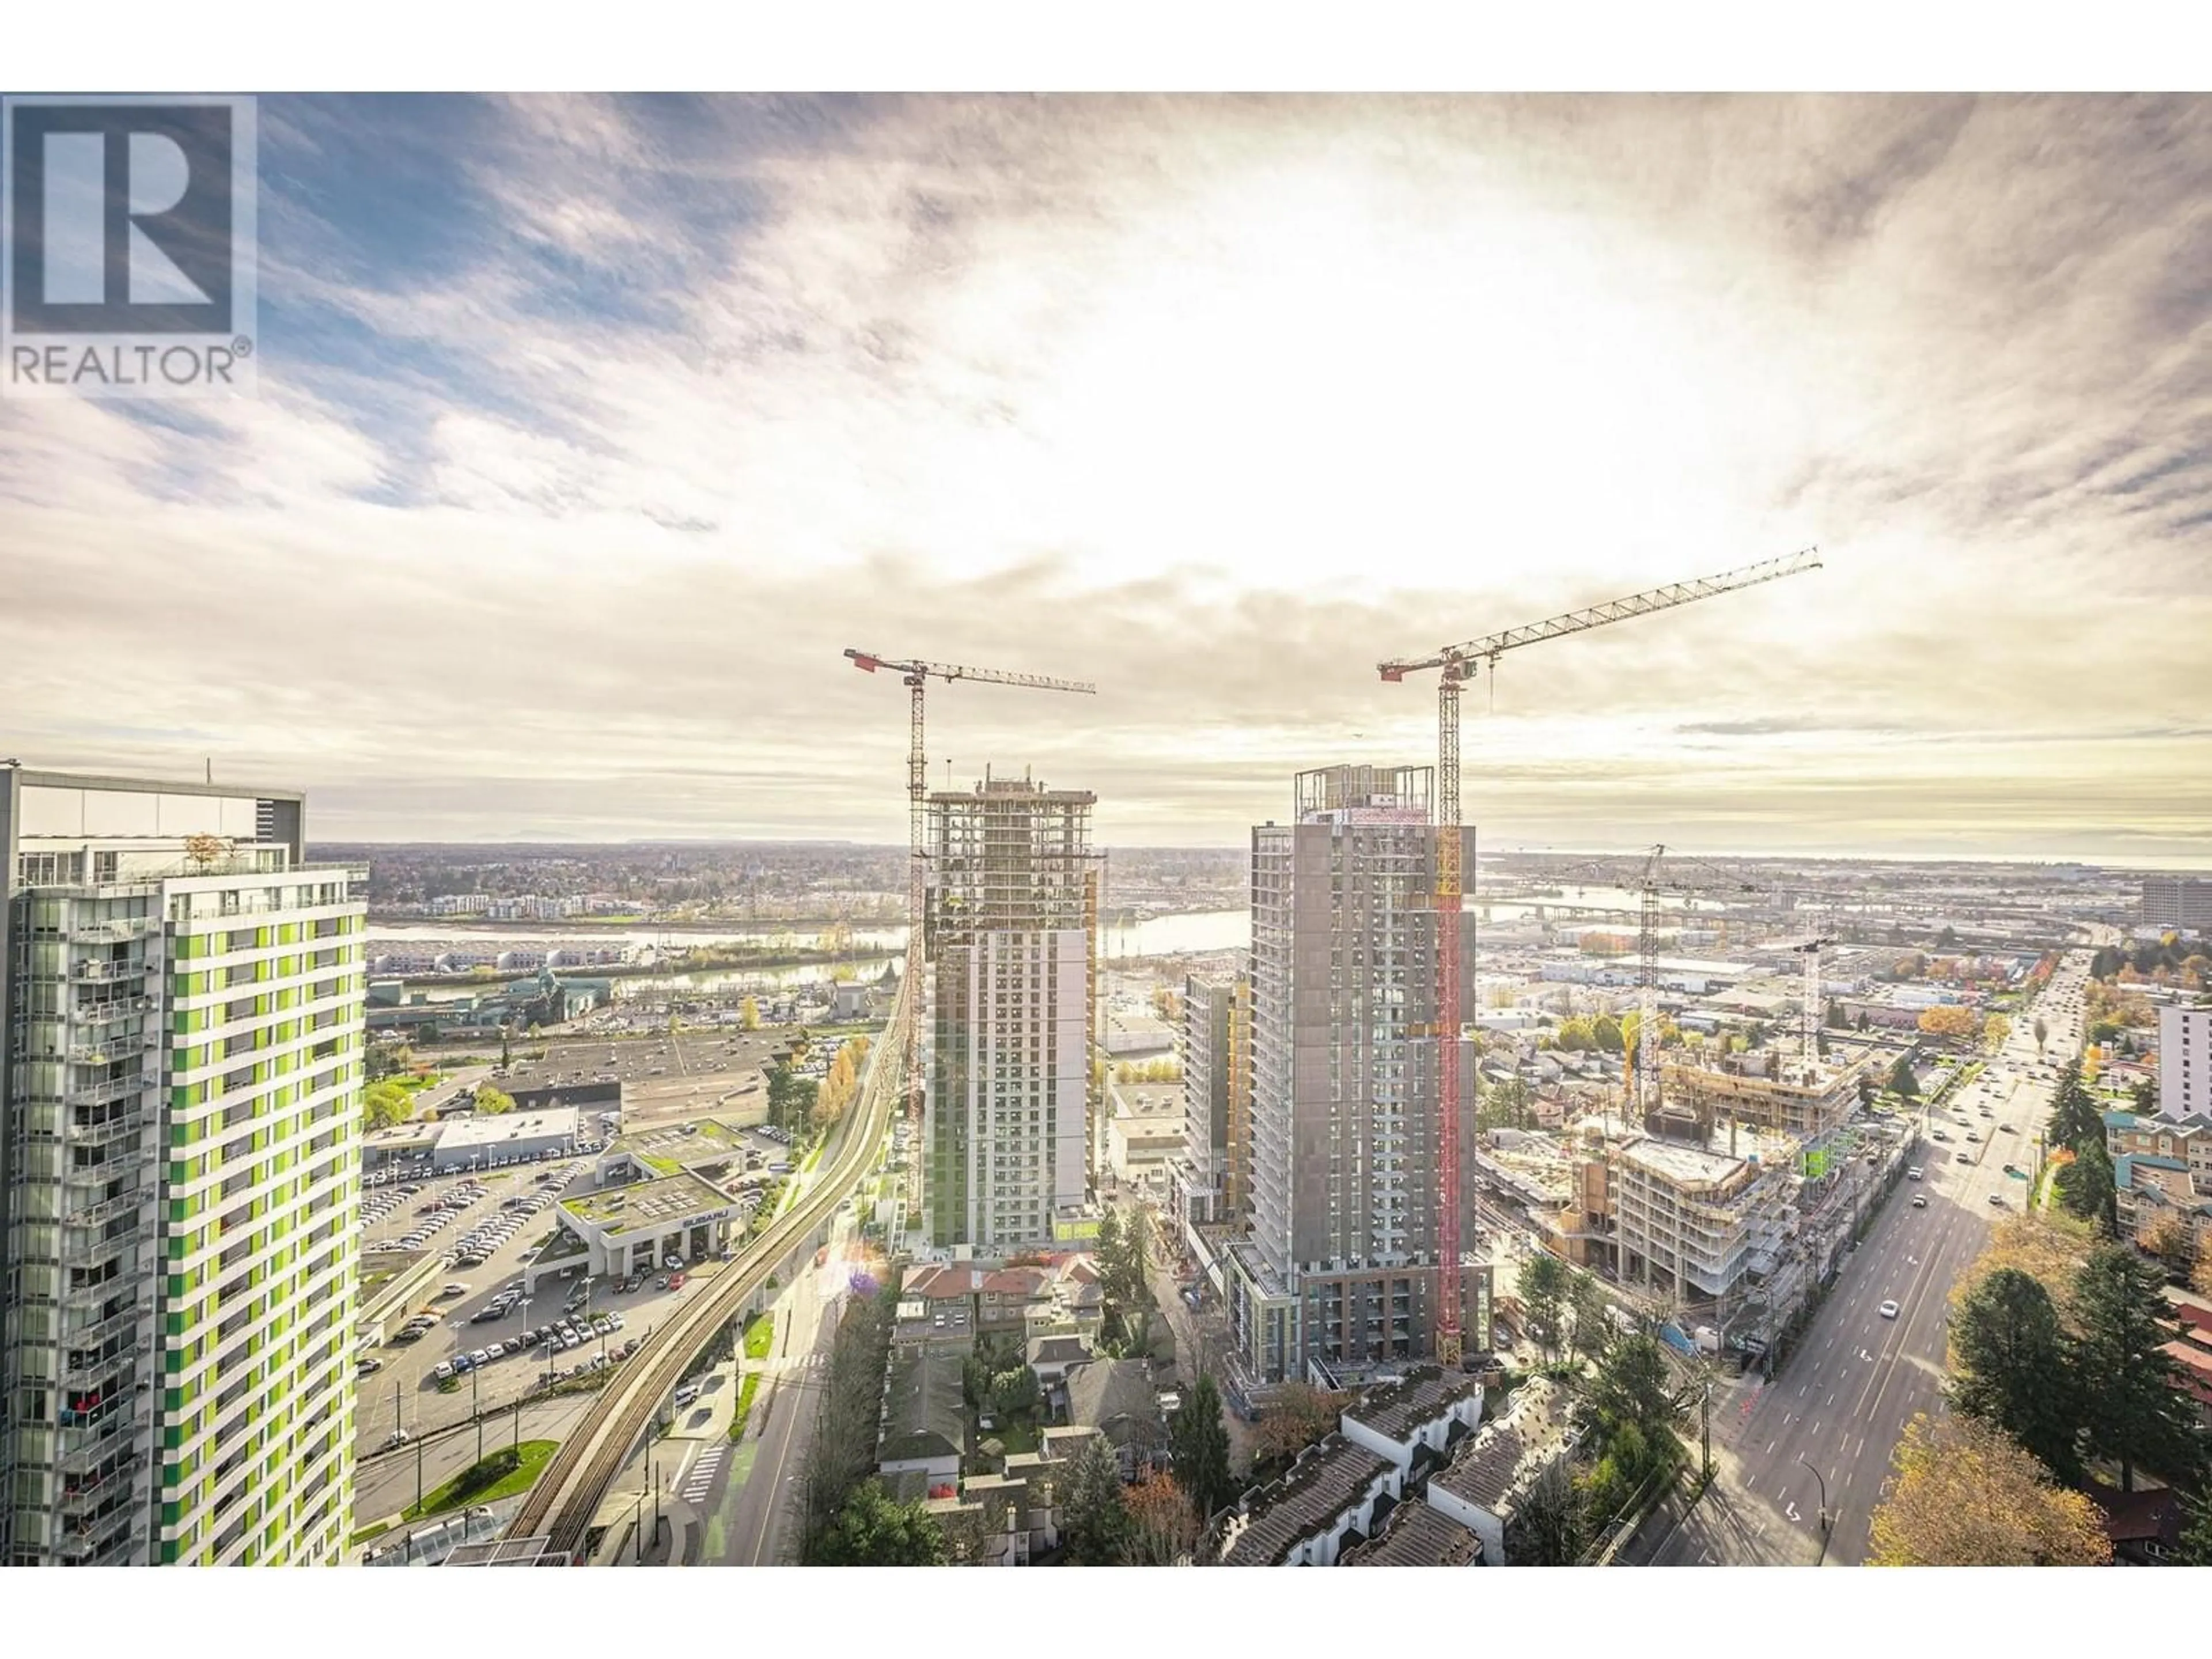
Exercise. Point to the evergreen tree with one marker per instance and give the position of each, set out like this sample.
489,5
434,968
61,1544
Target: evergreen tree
1593,1318
871,1530
1200,1441
1544,1300
2074,1116
1097,1527
2130,1391
1902,1083
1632,1385
2086,1186
2011,1368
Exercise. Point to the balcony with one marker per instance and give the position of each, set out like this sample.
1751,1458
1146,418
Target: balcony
108,973
123,1126
95,1486
81,1450
103,1094
114,1325
82,1378
111,1541
97,1215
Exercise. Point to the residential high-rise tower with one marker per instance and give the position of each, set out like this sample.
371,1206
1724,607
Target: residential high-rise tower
1011,905
1340,1270
182,996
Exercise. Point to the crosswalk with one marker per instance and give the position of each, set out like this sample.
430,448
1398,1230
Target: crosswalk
701,1476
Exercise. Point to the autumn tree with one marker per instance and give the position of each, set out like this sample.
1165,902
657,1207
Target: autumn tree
2133,1407
1956,1023
1161,1526
748,1018
1544,1300
1964,1495
2042,1033
2009,1361
1997,1030
1548,1529
1096,1522
2049,1246
1298,1415
2173,1242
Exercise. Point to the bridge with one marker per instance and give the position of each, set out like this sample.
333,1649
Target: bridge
561,1507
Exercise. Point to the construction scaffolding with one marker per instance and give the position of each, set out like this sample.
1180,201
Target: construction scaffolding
1761,1091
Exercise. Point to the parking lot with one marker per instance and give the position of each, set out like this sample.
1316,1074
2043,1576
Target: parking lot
495,1223
715,1071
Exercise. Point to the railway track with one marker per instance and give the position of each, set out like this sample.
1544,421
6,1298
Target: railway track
561,1506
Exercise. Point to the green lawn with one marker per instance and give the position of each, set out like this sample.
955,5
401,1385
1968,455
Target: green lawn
366,1533
536,1454
746,1392
760,1336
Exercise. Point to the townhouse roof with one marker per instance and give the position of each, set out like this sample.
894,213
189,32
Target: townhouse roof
1325,1482
1418,1536
1395,1410
1489,1467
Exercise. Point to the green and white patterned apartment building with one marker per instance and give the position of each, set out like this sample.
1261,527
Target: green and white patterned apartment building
183,1001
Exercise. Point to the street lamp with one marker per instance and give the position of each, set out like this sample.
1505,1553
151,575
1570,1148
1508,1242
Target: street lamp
1817,1475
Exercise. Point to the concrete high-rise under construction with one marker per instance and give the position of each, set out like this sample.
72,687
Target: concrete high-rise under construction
182,1000
1339,1271
1011,912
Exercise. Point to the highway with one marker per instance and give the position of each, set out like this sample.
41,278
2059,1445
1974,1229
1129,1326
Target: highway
1835,1414
561,1505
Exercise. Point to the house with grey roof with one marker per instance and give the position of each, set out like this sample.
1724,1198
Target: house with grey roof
1117,1398
1489,1481
925,1421
1416,1536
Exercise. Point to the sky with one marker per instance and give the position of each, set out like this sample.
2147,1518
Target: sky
591,431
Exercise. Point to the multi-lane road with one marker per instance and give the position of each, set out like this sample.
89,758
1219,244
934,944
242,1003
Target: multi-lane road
1835,1413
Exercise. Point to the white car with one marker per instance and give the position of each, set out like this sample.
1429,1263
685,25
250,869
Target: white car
1889,1310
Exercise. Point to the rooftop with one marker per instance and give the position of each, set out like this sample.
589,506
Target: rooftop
1685,1166
1418,1536
647,1203
923,1413
1395,1410
462,1133
1489,1468
1325,1482
678,1145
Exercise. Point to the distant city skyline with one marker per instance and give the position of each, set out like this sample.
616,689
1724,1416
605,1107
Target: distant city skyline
592,430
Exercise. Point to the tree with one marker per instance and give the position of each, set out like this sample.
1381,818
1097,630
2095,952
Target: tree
2197,1532
1956,1023
491,1102
749,1015
1549,1530
1544,1300
1162,1529
386,1103
2073,1114
1593,1315
1199,1442
2049,1246
1097,1527
872,1530
1298,1415
2170,1238
1902,1083
2130,1392
2042,1032
506,1047
1965,1496
2086,1186
1631,1386
1996,1031
2010,1360
2145,1095
1606,1029
2201,1279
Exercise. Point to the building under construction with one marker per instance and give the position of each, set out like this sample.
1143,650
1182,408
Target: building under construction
1012,914
1339,1272
1214,1044
1761,1090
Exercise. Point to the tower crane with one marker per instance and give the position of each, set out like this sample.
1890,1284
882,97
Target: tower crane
917,675
1458,664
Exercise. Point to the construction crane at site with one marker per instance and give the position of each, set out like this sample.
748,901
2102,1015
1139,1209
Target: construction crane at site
1459,664
917,675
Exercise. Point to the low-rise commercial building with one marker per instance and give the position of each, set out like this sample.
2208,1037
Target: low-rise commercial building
635,1228
478,1142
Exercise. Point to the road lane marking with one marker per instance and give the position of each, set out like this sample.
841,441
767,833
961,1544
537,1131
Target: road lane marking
1771,1445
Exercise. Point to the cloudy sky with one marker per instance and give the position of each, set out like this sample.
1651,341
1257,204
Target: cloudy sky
590,432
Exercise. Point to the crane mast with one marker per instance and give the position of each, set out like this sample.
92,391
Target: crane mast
1459,664
917,674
